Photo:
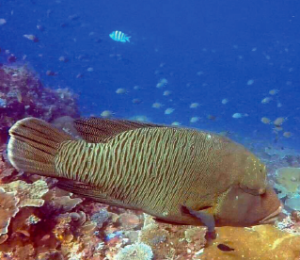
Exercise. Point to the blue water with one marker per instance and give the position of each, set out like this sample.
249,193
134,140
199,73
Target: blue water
227,42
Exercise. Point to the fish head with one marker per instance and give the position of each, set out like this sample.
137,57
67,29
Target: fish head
237,207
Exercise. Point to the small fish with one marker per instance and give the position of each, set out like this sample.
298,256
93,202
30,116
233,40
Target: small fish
2,21
106,114
51,73
169,111
202,178
211,117
121,91
119,36
239,115
136,101
265,120
266,100
74,17
40,27
194,119
63,59
31,37
194,105
287,134
225,248
250,82
273,91
157,105
167,93
279,121
225,101
162,83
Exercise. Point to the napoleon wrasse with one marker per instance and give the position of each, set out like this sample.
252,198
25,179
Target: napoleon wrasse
178,175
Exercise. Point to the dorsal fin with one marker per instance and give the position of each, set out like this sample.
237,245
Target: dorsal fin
100,130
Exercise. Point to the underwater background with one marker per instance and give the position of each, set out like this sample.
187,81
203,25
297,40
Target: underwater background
206,50
231,67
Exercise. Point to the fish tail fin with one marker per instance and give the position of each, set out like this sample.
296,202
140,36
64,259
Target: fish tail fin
33,145
128,38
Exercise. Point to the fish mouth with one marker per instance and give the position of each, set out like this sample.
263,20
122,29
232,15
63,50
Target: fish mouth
272,217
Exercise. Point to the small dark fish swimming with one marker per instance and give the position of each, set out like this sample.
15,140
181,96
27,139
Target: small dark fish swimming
225,248
175,174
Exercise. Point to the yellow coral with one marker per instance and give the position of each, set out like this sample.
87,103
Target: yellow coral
263,242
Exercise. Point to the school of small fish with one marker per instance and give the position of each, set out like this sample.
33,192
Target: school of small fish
176,105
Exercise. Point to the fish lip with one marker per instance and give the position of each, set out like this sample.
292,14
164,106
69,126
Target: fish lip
272,217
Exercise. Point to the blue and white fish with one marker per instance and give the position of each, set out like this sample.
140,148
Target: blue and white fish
119,36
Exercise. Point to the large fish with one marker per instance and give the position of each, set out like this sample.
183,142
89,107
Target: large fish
178,175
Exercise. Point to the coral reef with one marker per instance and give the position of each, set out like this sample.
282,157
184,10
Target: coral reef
22,94
28,194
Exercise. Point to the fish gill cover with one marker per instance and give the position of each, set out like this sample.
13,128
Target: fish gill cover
229,67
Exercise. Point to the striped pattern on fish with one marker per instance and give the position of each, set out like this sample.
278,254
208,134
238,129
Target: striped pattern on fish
119,36
113,166
175,174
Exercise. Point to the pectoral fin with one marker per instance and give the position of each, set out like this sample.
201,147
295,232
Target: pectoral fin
206,218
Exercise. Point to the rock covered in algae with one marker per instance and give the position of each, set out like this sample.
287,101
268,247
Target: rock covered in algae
264,242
